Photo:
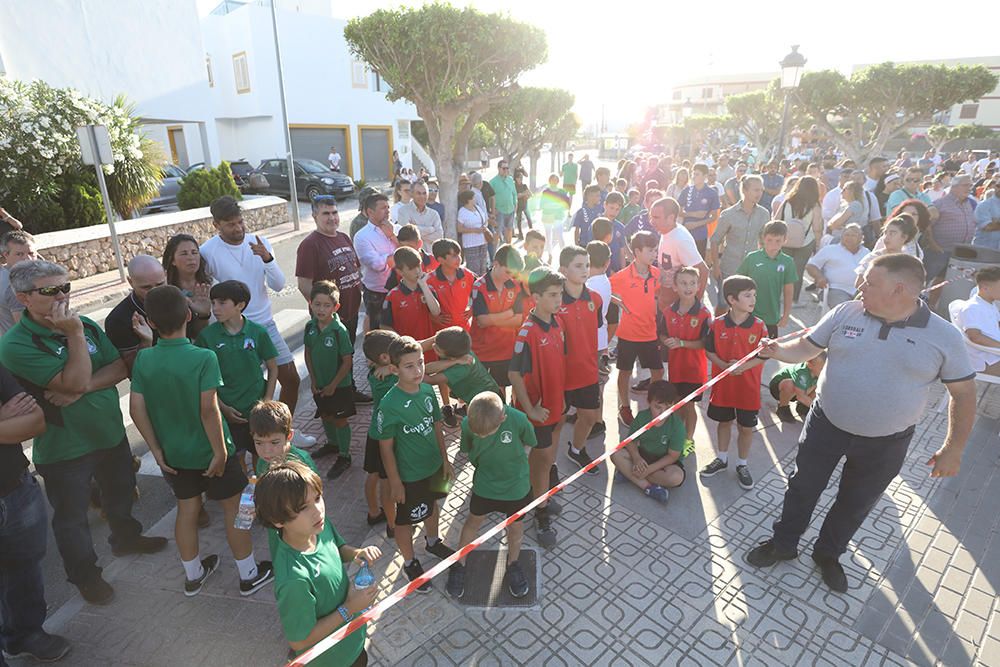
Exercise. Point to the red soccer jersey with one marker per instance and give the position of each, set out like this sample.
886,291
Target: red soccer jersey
427,264
453,297
540,358
494,343
580,319
638,325
731,341
405,311
685,364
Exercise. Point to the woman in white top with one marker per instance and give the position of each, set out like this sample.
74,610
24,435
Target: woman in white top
898,232
681,179
402,195
779,198
471,224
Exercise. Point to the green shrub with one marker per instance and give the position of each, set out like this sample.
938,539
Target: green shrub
81,202
203,186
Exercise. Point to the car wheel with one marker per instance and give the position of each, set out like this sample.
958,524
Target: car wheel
312,192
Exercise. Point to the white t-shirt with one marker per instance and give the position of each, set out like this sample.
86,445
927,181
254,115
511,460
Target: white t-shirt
473,218
334,159
602,285
237,262
677,249
831,203
838,265
978,313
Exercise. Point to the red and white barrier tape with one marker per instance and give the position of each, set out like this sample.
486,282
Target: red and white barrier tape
395,597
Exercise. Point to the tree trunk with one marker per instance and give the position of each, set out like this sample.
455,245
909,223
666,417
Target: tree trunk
532,180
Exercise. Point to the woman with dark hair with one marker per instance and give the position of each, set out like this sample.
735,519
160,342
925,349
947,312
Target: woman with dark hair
898,233
921,215
802,212
187,271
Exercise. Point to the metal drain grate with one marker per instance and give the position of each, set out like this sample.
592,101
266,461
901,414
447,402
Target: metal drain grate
486,583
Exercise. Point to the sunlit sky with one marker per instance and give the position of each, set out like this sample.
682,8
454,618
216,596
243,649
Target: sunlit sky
628,59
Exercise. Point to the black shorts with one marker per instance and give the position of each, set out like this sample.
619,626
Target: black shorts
543,434
420,498
338,406
482,506
773,388
647,352
499,370
584,398
772,330
745,418
192,483
652,458
242,438
373,306
373,458
685,388
614,313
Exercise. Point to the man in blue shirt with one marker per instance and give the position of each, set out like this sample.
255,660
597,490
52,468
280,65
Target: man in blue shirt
591,210
699,206
772,185
988,217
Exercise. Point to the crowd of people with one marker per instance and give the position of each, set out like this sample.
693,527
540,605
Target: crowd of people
685,270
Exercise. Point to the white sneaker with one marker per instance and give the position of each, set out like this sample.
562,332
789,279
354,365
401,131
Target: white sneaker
302,441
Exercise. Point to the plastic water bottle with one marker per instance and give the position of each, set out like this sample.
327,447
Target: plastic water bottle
247,511
364,578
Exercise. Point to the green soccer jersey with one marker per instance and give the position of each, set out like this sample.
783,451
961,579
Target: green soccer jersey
240,357
328,347
468,380
309,586
570,173
661,439
35,354
379,390
500,461
171,377
799,375
294,454
771,276
628,212
408,420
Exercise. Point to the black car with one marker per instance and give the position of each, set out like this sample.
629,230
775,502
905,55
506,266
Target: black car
241,173
312,178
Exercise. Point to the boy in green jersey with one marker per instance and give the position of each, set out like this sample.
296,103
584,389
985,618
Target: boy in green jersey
457,367
381,379
241,347
796,383
175,407
654,460
311,585
330,359
494,436
774,273
411,440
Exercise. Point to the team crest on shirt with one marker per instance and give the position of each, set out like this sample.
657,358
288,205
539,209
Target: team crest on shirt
590,305
248,344
781,268
506,437
428,404
91,347
723,334
328,342
752,338
694,321
510,294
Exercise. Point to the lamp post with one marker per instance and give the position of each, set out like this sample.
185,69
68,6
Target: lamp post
791,74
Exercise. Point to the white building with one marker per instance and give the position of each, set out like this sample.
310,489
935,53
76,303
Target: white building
707,95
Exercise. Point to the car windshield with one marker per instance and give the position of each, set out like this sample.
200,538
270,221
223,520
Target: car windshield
312,166
170,171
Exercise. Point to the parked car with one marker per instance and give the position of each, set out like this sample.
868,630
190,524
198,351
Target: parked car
311,178
241,173
169,186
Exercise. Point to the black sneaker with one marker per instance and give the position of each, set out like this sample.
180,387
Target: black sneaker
641,386
744,478
832,571
544,531
377,519
265,574
713,468
448,415
801,409
784,413
325,450
440,549
97,591
340,466
209,564
766,554
517,583
140,545
597,429
582,459
39,646
361,399
415,570
456,580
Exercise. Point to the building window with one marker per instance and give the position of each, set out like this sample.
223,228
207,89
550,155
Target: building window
241,72
677,94
968,112
208,69
359,74
706,93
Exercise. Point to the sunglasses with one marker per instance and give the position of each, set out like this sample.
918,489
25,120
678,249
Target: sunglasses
51,291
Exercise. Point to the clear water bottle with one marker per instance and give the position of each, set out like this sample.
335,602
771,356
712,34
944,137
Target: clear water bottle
245,515
364,577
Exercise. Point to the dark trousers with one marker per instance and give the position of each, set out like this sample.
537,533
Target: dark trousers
801,257
352,333
67,485
22,548
871,465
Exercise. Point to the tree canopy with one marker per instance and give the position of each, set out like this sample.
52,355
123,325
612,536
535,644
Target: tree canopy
527,118
757,115
939,135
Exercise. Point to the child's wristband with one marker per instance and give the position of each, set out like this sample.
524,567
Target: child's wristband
346,615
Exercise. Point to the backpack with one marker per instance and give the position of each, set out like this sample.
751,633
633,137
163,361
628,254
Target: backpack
800,232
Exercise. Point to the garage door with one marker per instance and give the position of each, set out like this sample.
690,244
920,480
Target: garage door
376,158
313,143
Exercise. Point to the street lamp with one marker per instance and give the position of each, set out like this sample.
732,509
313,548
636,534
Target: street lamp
791,74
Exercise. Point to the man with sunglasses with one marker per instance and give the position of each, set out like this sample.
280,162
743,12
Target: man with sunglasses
126,323
71,368
911,190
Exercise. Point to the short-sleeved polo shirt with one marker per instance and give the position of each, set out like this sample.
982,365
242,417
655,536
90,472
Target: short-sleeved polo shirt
878,374
638,293
240,357
500,461
693,200
732,341
771,275
327,349
453,296
738,234
494,343
540,358
683,363
35,354
570,173
580,318
408,420
171,377
406,312
669,435
466,381
309,586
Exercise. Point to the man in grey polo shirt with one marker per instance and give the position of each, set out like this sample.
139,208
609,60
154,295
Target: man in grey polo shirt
738,233
883,354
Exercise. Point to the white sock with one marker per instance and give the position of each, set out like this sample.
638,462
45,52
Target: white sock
247,567
575,450
741,462
193,568
724,457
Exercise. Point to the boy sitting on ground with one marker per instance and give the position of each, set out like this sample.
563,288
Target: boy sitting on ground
796,383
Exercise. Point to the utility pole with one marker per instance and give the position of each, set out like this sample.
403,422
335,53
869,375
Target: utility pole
292,189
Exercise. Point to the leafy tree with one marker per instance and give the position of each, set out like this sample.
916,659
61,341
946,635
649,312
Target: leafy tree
526,119
453,64
939,135
878,102
757,116
203,186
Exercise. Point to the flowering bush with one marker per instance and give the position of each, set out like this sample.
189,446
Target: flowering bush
40,158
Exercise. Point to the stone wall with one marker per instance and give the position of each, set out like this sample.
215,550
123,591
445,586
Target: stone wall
88,251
